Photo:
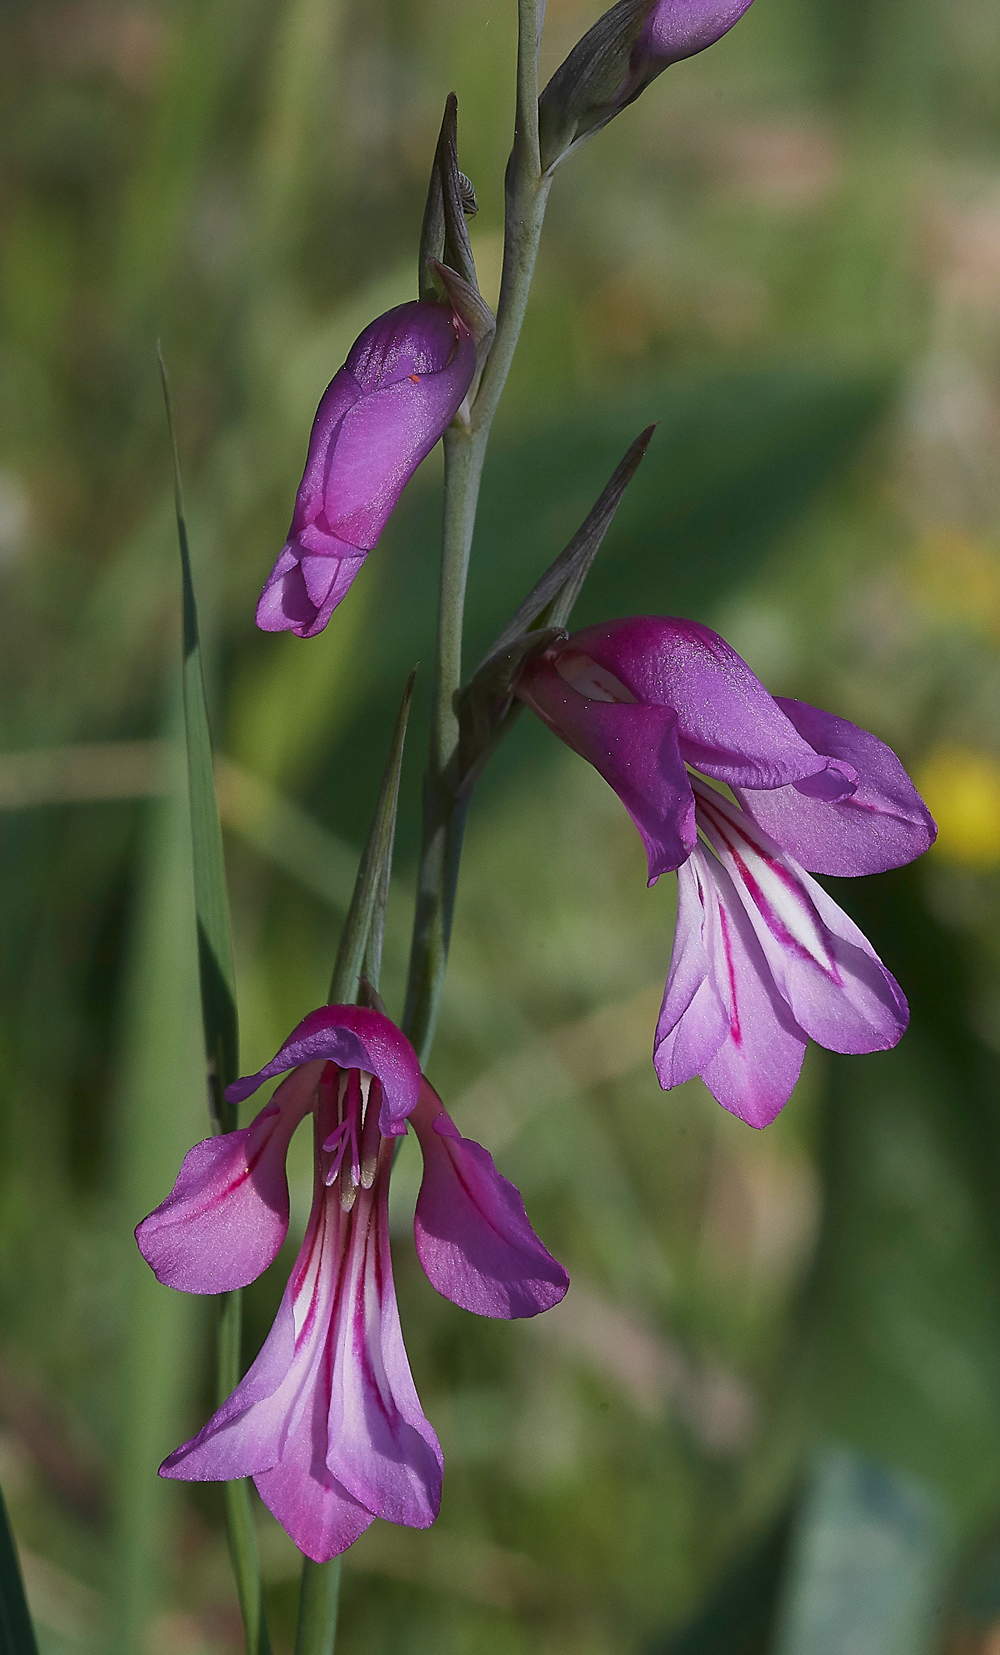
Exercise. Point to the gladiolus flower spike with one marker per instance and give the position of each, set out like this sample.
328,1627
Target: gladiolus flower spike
404,380
763,958
327,1420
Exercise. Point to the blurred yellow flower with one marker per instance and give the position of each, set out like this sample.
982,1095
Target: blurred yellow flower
962,789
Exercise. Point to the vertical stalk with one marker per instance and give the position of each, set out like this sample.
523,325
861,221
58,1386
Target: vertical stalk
526,192
319,1598
444,817
445,805
239,1513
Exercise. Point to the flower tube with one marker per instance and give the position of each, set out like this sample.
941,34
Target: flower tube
327,1421
403,382
763,958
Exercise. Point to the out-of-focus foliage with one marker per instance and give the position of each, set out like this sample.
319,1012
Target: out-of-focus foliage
788,253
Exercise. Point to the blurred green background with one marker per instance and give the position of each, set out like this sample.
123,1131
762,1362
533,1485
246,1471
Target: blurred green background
767,1417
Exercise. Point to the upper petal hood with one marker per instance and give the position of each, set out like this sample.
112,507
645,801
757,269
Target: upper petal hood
634,748
353,1037
472,1233
728,726
883,824
418,339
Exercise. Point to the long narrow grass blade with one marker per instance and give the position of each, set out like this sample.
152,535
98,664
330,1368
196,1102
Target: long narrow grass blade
159,1114
16,1633
364,927
215,949
217,980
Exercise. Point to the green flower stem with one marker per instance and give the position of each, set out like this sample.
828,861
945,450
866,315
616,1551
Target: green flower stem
465,442
239,1513
444,815
319,1597
526,192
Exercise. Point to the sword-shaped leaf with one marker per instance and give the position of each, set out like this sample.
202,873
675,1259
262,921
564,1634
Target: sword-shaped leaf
217,980
215,949
364,928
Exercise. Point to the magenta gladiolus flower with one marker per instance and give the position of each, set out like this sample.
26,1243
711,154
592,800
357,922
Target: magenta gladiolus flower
402,384
327,1421
763,958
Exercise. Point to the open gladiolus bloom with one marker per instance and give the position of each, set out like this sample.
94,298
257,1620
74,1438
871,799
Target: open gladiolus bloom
402,384
327,1420
763,958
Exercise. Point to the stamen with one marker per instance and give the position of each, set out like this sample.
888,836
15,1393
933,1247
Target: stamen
371,1136
352,1117
335,1145
344,1142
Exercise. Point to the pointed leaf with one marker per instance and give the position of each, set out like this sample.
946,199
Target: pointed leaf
468,303
217,980
450,197
364,928
551,599
16,1634
486,710
215,950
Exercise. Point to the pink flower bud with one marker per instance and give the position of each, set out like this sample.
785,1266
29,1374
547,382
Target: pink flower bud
402,384
616,60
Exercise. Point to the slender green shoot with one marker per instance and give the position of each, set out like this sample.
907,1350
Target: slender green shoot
218,1005
371,887
319,1600
445,803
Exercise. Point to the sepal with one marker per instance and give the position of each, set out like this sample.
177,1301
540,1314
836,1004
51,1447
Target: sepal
361,939
450,199
485,704
616,60
585,92
468,304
